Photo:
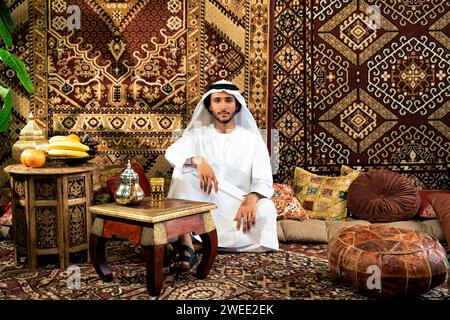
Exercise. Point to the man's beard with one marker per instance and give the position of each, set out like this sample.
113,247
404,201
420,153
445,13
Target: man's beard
224,121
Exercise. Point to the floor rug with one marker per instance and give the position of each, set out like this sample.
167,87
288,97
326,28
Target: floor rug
295,272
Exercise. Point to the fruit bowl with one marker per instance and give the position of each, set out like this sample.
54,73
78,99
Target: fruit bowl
70,160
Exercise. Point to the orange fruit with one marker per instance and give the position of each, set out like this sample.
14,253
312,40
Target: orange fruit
37,159
33,158
25,155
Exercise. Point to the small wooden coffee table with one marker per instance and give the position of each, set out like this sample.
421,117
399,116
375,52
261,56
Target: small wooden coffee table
156,224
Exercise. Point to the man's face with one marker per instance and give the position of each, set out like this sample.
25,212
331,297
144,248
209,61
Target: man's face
223,106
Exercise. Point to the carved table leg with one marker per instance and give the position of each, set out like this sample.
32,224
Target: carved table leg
153,257
97,247
209,241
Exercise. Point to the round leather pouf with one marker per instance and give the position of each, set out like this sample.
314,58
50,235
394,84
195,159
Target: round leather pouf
383,196
387,262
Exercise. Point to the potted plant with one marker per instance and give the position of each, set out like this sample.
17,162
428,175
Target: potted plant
12,61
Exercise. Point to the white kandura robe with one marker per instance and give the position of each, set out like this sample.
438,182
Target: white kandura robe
241,163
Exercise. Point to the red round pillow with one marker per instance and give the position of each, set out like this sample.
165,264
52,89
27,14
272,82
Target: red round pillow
383,196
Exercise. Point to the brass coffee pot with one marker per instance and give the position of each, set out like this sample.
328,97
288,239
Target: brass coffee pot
129,191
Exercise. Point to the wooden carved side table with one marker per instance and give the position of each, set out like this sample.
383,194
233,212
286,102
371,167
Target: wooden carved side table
152,225
50,210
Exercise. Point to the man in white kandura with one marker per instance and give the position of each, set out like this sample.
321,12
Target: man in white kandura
222,158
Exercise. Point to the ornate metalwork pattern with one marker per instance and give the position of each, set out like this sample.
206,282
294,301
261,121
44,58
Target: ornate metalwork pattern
19,188
76,188
46,227
21,232
154,235
77,224
45,189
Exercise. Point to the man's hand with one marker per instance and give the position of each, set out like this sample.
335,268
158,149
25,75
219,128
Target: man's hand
247,212
206,174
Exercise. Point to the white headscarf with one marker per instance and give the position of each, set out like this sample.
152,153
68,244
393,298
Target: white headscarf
202,117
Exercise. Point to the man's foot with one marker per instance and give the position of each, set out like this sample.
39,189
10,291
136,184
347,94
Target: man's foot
185,260
169,255
198,246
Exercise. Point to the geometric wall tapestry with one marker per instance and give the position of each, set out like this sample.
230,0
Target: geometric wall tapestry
134,71
120,76
230,40
365,83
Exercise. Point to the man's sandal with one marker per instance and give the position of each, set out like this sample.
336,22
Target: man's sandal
182,257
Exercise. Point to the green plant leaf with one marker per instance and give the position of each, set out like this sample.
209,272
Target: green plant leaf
6,24
18,66
5,113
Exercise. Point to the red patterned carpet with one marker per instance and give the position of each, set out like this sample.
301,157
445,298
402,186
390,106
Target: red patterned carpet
296,272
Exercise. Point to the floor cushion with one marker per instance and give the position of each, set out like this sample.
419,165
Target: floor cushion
306,231
441,205
383,196
426,210
430,226
321,231
387,262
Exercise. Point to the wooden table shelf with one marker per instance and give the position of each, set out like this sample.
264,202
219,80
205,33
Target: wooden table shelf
50,211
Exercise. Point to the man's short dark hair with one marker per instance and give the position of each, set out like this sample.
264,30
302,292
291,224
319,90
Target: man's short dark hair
208,103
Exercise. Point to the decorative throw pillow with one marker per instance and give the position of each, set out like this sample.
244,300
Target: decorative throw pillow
426,210
383,196
5,213
101,176
346,170
441,205
288,207
6,221
323,197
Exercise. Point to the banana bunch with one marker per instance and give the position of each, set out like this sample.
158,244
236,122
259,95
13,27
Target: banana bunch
67,146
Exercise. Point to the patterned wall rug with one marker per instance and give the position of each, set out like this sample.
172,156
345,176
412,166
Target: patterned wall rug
130,73
141,82
116,76
298,272
364,83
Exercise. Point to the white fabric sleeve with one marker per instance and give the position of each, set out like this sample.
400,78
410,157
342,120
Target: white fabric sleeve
179,154
262,181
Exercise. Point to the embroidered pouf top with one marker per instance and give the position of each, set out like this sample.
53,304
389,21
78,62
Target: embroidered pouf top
387,262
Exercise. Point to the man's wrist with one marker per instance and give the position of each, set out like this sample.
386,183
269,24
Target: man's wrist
254,196
197,160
